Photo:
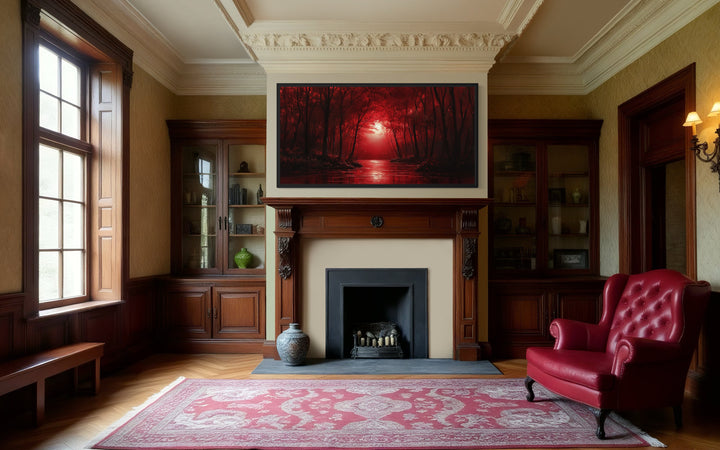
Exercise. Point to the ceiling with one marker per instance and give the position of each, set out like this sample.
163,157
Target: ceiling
213,47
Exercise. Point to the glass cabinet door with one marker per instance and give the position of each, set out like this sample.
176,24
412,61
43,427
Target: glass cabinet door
515,210
568,209
200,217
245,211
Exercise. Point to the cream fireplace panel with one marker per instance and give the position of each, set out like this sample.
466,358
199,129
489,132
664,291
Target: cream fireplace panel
434,254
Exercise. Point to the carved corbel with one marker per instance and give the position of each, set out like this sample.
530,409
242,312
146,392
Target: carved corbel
469,219
284,218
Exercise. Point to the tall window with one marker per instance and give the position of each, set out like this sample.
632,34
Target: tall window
62,179
76,84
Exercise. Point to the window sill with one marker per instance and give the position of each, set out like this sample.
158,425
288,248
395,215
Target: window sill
72,309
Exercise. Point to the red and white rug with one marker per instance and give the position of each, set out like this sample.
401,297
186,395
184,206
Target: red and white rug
378,414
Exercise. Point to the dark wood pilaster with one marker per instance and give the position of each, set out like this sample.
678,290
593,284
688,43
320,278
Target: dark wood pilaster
286,285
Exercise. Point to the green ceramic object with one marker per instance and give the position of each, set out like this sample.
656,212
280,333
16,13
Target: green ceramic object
243,258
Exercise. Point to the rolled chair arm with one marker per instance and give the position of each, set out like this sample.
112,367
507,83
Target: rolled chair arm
575,335
633,350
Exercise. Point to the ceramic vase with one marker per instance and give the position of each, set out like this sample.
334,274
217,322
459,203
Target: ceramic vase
243,258
577,196
292,345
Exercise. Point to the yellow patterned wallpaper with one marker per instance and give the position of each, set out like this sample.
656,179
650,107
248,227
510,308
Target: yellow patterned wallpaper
220,107
697,43
150,104
10,148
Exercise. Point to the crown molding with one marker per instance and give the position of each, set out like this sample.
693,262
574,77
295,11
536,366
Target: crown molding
222,79
388,65
369,51
376,41
636,35
623,41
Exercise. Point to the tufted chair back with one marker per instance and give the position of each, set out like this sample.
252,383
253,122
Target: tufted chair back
651,307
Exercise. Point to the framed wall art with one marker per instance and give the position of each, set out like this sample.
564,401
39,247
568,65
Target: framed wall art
377,135
570,258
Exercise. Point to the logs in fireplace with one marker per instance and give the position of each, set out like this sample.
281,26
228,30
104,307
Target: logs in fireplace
376,340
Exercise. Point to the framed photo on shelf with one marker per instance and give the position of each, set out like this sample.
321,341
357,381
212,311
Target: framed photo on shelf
556,196
377,135
243,228
570,258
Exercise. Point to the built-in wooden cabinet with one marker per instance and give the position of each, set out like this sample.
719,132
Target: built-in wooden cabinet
212,303
218,170
544,238
214,314
521,310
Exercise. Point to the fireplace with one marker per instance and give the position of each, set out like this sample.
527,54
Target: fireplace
302,219
359,299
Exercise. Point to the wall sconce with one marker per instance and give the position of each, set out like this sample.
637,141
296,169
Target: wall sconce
701,148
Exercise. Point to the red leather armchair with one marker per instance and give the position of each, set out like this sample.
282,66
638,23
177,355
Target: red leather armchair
636,357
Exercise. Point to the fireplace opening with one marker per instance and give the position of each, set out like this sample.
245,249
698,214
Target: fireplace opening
390,304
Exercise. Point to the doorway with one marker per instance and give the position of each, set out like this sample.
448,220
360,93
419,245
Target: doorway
657,178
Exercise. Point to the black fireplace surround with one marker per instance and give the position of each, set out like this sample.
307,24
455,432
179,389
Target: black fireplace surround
376,295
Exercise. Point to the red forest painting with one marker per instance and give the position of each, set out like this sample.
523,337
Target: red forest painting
377,135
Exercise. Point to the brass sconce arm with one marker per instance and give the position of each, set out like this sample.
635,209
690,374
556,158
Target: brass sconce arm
701,148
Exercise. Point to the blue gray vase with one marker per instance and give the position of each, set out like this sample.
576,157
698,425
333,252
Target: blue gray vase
292,345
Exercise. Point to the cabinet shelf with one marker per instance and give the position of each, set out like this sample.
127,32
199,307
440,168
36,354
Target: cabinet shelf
568,205
514,204
215,162
248,174
568,174
515,173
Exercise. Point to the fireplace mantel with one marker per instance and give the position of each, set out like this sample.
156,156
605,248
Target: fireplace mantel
377,218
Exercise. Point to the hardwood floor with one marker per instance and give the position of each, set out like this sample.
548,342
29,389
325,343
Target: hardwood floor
73,421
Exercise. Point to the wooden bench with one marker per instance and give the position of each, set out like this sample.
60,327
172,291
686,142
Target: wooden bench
34,369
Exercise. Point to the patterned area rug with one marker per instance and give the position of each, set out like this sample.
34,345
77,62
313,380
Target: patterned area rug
379,414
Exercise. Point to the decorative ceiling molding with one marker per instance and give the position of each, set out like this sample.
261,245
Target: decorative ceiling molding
633,32
636,30
245,13
297,52
509,11
376,41
222,79
365,66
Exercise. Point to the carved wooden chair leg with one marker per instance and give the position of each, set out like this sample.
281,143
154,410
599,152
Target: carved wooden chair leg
600,416
677,414
528,385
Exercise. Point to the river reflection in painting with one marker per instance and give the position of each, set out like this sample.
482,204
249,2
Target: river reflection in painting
377,135
374,172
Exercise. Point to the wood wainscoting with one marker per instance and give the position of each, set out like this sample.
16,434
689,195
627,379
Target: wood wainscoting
382,218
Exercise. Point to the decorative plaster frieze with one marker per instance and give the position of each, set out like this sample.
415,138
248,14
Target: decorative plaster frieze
376,41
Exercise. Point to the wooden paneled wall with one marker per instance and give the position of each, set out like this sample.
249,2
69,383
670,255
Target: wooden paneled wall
127,329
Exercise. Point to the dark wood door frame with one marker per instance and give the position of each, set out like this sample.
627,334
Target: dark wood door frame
631,173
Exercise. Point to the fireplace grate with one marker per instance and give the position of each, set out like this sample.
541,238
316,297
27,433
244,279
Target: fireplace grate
376,340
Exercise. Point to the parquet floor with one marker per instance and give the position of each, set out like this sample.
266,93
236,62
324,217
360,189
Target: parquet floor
73,421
